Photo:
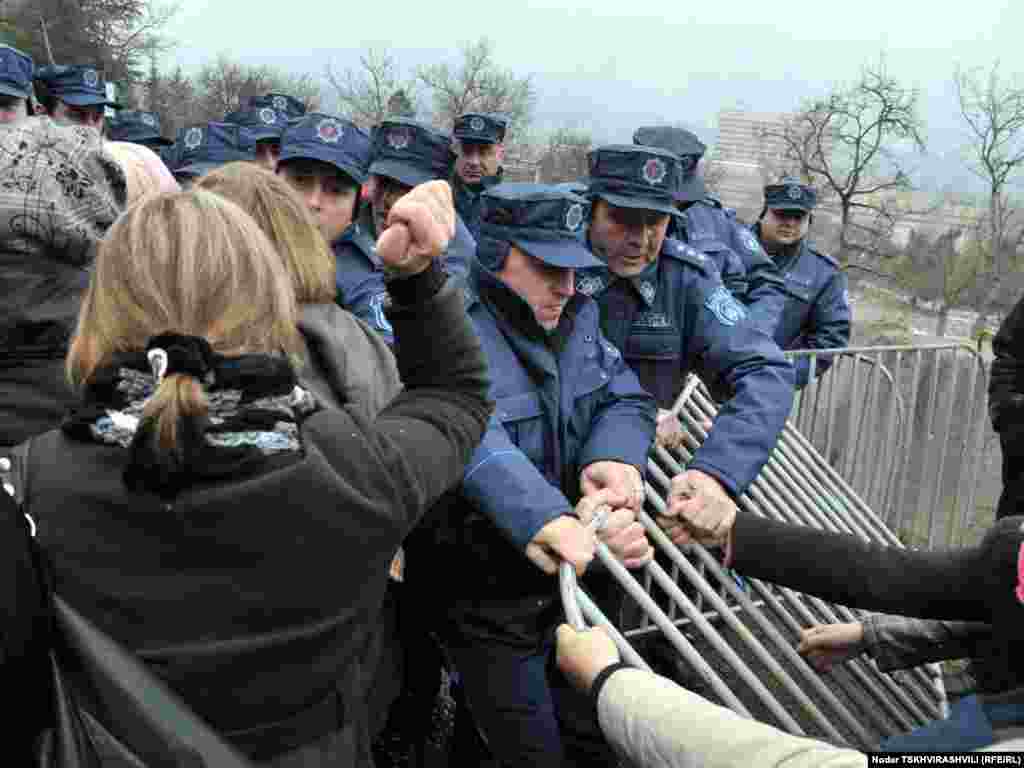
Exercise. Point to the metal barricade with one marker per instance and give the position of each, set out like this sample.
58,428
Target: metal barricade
904,426
734,640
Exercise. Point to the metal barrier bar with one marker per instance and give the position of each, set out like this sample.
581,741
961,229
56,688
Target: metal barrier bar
781,511
827,615
892,445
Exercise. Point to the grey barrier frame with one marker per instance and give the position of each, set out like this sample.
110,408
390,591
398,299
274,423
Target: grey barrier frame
797,485
905,433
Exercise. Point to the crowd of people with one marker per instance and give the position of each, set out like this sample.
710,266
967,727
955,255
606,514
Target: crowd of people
303,414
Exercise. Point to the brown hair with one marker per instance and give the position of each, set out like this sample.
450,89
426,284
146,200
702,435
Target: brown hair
191,263
285,219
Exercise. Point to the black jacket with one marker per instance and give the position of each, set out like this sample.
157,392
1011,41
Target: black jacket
253,597
1006,407
971,584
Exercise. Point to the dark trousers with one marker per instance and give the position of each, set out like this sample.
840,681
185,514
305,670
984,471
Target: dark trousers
525,708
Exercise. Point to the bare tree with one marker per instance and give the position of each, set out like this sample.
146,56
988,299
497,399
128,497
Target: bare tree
220,87
993,110
374,90
115,36
478,84
225,85
844,145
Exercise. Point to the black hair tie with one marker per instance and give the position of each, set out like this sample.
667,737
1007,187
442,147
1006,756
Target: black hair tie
171,353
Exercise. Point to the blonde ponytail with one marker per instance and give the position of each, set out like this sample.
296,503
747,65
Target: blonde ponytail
179,398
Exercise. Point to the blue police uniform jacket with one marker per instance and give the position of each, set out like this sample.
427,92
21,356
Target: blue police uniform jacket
730,266
712,227
816,314
676,317
467,200
360,280
455,261
562,402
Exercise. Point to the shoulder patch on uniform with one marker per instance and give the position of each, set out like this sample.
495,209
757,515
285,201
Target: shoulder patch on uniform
725,307
469,297
378,304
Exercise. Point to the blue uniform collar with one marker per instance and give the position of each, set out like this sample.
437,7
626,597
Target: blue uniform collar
514,309
355,236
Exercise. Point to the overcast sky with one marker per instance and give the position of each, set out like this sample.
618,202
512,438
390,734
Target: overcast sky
610,65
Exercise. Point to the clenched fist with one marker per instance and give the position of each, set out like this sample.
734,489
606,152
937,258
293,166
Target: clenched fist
419,227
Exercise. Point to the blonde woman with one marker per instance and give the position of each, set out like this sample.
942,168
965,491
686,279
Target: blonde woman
200,508
347,363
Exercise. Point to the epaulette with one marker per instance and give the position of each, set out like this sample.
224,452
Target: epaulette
824,257
688,255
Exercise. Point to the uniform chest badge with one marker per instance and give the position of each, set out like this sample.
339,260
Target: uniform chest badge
589,285
647,290
268,116
724,306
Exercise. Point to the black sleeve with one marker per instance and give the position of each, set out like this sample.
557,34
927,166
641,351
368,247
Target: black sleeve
1006,385
427,434
843,568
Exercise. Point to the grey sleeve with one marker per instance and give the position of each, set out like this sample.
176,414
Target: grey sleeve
899,642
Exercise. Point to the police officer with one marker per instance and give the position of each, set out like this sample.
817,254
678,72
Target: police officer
816,313
480,150
570,432
291,107
406,153
266,126
325,159
203,147
665,306
73,94
138,127
16,70
711,228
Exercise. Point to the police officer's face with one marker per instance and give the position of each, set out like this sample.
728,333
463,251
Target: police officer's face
627,239
784,227
12,109
267,153
386,192
475,160
330,195
90,116
545,288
